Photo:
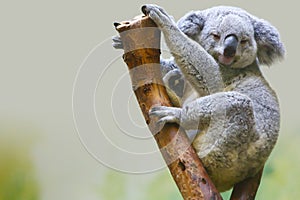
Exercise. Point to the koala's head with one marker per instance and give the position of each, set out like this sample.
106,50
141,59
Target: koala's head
233,37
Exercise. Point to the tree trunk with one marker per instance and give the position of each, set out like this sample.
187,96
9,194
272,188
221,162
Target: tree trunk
246,190
141,42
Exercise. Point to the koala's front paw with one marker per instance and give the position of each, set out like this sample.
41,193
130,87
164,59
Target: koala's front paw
117,42
158,15
166,114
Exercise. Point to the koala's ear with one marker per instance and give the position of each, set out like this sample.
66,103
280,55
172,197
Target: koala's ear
269,46
192,23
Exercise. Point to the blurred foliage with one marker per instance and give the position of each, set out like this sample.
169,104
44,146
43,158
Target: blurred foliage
281,175
279,182
114,186
17,179
162,187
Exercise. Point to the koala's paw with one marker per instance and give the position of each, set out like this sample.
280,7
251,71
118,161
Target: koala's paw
117,42
166,114
158,15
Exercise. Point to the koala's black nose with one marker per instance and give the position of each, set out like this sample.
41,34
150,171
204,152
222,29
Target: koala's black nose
230,45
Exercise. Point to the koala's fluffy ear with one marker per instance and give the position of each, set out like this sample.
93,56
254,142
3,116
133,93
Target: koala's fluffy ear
192,23
269,46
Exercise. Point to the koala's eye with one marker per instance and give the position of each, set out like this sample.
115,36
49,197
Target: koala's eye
244,41
216,36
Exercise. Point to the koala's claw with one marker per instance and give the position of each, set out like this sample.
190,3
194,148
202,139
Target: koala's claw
166,114
117,42
144,10
148,7
158,15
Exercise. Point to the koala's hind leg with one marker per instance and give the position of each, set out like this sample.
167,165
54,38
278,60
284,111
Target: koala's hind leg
225,145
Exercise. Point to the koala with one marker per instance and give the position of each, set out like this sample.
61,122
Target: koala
215,80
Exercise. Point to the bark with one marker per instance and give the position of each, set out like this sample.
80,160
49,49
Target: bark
142,56
246,190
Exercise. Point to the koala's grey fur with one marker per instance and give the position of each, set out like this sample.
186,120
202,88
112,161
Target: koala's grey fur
235,109
223,94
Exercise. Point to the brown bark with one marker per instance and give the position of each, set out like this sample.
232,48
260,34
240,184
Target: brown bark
246,190
143,63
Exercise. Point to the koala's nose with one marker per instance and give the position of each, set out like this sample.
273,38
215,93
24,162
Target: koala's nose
230,45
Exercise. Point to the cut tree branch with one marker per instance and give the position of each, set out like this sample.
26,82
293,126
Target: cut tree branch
141,43
246,190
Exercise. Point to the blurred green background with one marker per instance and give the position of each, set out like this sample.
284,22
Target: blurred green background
42,45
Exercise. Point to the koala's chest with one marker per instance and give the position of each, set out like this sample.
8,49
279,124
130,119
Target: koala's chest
232,83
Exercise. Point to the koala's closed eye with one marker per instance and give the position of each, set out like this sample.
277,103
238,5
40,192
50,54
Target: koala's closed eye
216,36
244,41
